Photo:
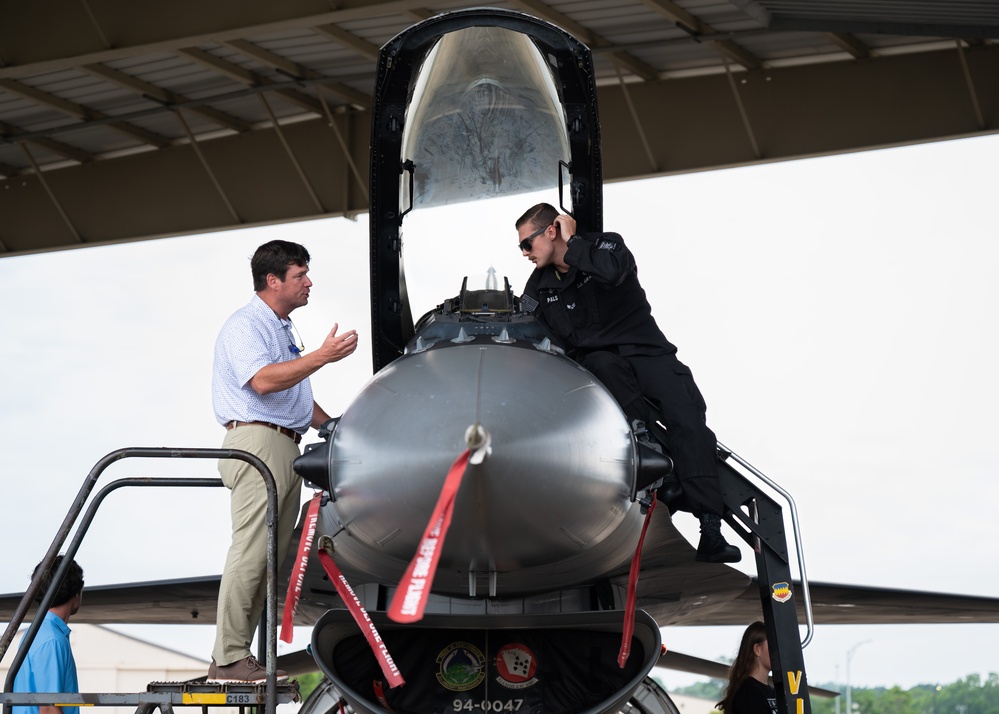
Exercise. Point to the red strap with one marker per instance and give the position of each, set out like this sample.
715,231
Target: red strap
410,599
379,690
298,570
629,607
357,610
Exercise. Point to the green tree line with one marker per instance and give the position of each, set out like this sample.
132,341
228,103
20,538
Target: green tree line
971,695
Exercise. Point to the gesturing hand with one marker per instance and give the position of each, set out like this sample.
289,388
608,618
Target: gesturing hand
335,347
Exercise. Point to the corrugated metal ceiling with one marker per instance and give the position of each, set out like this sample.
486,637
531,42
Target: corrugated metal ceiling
639,40
78,87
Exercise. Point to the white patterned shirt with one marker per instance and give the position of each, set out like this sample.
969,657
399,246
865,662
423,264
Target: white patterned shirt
252,338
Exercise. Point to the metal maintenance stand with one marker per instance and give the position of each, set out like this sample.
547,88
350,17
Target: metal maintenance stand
159,695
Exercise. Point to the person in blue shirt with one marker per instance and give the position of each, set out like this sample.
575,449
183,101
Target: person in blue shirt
49,666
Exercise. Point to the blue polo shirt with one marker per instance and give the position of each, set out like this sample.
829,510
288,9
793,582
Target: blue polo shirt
49,666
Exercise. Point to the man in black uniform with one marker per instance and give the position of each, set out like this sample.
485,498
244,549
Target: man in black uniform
585,290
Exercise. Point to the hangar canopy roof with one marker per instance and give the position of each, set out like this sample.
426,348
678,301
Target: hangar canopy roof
122,121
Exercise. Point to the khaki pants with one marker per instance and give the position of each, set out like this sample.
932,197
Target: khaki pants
243,591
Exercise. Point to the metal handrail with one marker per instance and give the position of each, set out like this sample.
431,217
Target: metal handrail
809,621
74,513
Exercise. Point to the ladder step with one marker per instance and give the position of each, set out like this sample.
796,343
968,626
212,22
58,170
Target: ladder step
200,691
160,694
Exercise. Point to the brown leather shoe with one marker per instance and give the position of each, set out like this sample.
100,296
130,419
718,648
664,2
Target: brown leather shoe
244,670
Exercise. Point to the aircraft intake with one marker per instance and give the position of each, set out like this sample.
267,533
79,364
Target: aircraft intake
530,663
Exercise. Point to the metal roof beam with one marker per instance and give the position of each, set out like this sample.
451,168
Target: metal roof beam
737,53
208,169
420,13
637,67
57,147
291,155
546,12
164,96
297,71
350,40
678,16
252,79
80,112
169,192
158,109
588,37
203,23
850,43
351,164
972,91
51,101
282,64
96,24
696,28
51,194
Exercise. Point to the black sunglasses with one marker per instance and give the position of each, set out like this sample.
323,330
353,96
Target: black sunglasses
525,245
296,346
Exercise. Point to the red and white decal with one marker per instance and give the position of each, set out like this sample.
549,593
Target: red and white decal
516,666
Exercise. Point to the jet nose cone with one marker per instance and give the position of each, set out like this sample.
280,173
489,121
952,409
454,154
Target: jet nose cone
546,490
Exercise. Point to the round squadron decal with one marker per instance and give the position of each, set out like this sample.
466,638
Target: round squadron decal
461,666
516,666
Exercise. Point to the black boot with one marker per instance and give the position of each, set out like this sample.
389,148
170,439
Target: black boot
712,547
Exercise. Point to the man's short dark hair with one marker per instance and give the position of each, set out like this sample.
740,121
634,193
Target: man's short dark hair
275,258
71,585
540,216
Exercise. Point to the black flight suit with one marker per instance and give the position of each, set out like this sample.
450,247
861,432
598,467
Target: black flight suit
600,315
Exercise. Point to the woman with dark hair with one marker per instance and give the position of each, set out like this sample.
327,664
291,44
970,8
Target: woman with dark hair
748,691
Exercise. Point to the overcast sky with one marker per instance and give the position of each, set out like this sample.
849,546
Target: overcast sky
838,314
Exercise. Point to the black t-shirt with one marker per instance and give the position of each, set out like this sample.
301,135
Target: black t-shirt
754,697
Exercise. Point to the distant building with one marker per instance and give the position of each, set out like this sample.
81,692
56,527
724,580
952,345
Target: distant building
108,661
692,705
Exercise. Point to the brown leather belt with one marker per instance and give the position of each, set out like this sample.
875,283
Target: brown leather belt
291,434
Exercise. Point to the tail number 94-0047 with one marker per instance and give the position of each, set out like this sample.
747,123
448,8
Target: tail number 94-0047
467,705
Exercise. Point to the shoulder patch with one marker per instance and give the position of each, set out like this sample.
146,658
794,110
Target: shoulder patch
528,303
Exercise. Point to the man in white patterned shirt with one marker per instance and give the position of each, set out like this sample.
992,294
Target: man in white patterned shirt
262,396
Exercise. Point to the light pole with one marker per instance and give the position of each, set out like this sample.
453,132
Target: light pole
849,656
837,687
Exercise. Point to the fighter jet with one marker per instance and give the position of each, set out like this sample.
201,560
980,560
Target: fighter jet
473,105
489,534
500,538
